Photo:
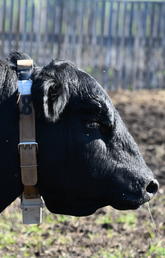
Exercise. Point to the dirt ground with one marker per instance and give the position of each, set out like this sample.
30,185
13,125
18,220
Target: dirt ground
108,233
144,114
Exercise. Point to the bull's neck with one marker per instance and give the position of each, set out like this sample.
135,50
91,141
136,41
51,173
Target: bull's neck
9,125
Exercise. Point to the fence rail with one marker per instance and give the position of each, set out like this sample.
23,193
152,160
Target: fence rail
122,43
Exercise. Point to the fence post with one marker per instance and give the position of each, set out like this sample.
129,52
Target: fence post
61,12
125,38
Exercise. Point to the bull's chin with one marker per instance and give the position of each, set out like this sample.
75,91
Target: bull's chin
86,208
75,209
89,210
78,212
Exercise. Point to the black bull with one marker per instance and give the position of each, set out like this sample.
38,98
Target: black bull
86,157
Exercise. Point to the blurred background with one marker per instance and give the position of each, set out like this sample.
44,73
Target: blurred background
122,44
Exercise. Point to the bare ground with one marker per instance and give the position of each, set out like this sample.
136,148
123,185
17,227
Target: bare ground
108,233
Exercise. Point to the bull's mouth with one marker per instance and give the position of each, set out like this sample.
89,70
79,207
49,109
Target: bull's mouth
127,202
127,205
131,202
85,206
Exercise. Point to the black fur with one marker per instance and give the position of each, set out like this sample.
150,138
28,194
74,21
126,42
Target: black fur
87,158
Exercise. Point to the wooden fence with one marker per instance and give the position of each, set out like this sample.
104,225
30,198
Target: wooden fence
122,43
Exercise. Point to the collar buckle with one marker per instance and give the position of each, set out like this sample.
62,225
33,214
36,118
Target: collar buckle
28,145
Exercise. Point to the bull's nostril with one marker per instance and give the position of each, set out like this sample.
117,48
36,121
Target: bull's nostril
153,186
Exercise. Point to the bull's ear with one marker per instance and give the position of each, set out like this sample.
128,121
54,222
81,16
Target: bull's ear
56,96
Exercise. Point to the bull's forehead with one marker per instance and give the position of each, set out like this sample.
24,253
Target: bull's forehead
106,106
92,96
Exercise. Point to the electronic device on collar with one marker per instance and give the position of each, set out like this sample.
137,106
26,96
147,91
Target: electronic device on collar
31,201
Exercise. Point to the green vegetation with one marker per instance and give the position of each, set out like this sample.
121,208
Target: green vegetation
156,251
111,234
110,253
104,219
128,219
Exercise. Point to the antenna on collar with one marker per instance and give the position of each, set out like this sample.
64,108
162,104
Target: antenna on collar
24,69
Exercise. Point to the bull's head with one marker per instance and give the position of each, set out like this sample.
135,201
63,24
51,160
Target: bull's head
86,157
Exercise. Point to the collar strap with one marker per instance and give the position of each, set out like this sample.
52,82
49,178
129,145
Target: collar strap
31,200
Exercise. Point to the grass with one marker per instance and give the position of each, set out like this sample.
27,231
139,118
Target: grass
128,219
110,253
156,250
107,234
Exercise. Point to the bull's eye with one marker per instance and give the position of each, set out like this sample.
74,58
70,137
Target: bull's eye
105,129
92,125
